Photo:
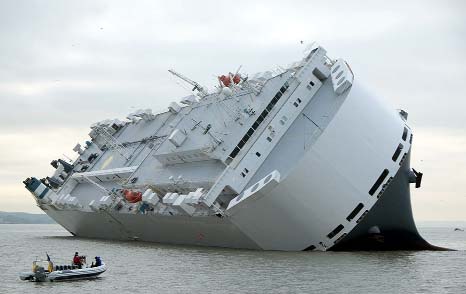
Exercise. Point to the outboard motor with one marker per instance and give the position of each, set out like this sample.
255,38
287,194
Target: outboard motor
39,274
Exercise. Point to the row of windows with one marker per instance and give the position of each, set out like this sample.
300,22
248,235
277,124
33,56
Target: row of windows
259,120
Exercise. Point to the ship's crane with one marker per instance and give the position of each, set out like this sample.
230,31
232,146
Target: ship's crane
196,86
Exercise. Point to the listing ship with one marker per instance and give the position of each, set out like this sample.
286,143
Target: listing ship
298,158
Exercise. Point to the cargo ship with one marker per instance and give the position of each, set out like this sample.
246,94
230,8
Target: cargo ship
297,158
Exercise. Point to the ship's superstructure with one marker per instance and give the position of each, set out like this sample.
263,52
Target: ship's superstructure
301,158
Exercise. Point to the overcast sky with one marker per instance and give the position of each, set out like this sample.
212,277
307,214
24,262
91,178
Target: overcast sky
65,65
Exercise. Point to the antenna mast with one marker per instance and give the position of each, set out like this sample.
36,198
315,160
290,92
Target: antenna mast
196,86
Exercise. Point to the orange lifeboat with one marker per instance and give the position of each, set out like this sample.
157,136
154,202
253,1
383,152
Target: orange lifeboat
132,196
226,80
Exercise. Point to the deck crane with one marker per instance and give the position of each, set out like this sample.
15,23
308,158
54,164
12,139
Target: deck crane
202,91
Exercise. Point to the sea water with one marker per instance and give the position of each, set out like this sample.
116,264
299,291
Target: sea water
140,267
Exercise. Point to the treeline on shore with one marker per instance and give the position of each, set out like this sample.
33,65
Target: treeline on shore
24,218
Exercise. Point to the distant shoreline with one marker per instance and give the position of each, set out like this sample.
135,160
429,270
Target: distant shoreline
24,218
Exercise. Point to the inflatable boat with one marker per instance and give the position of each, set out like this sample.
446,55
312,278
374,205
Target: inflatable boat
46,271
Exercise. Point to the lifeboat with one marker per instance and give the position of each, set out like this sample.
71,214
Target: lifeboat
132,196
226,79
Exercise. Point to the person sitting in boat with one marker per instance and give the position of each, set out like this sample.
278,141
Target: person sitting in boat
77,260
98,262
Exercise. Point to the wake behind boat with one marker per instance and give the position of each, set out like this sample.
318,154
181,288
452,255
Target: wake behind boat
46,271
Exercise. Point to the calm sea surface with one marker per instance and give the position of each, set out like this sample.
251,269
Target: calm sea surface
138,267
